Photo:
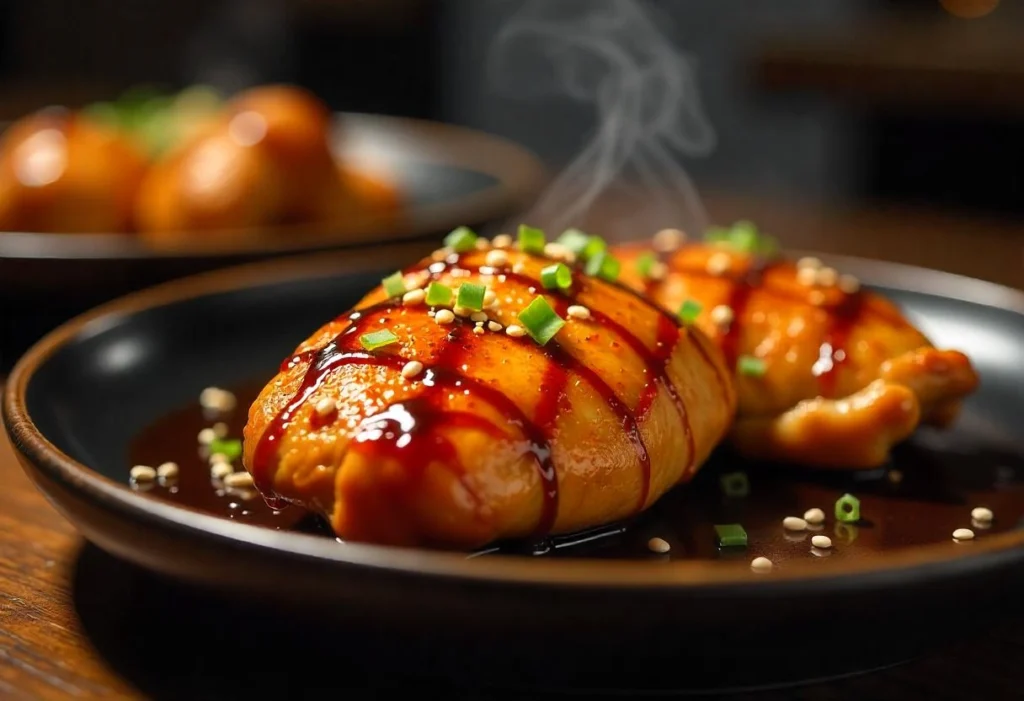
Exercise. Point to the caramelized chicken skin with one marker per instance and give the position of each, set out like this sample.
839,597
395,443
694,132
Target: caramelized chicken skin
464,430
827,374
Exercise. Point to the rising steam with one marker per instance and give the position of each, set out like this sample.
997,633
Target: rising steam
611,54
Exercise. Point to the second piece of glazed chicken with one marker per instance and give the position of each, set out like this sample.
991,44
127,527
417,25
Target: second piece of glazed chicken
489,392
827,374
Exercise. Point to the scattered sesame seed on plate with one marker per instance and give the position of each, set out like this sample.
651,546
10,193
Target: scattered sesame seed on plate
849,284
807,276
761,564
809,262
515,331
668,240
413,297
220,429
577,311
219,457
981,513
961,534
142,473
718,263
478,330
496,258
325,407
412,369
827,277
478,316
794,523
220,470
814,516
821,541
167,471
207,436
722,315
502,241
658,545
461,311
444,316
238,479
494,326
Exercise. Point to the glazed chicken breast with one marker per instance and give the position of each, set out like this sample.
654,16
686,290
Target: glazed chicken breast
492,391
827,374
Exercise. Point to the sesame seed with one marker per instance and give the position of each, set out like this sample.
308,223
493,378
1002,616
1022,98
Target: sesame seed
821,541
219,457
502,241
482,244
658,545
478,330
963,534
827,277
668,239
814,516
461,311
167,471
658,270
494,326
220,429
761,564
478,317
431,313
207,436
577,311
142,473
559,251
817,297
807,276
515,331
518,267
982,514
325,407
809,262
849,284
220,470
793,523
216,399
238,479
496,258
413,297
532,290
718,263
444,316
441,253
490,298
412,369
722,315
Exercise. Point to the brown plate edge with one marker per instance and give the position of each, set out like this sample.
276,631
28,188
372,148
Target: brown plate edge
921,563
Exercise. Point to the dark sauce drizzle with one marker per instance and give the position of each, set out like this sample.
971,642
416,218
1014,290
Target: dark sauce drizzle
416,422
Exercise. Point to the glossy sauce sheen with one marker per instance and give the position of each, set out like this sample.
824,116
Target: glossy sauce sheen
444,376
944,477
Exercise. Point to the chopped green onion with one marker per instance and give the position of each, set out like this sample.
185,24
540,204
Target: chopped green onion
461,240
744,236
556,276
575,240
848,509
531,240
471,296
689,311
735,484
229,448
394,285
595,245
731,535
603,265
644,262
541,321
749,365
377,339
438,295
717,234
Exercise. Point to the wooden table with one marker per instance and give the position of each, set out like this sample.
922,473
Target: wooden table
76,623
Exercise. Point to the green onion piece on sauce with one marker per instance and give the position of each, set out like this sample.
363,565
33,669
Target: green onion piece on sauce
575,240
541,321
689,311
557,276
531,239
735,484
644,262
848,509
731,535
461,240
377,339
471,296
230,448
438,295
751,366
603,265
394,285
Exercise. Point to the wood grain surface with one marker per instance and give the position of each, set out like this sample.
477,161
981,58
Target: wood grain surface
76,623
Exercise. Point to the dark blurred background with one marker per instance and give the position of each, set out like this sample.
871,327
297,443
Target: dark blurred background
842,99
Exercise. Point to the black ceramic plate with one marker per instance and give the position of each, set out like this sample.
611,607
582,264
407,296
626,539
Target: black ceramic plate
448,176
96,394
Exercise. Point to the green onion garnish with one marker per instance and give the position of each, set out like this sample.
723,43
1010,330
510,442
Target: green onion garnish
377,339
848,509
644,262
717,234
595,245
229,448
735,484
394,285
531,240
751,366
438,295
575,240
731,535
471,296
744,236
603,265
461,240
689,311
557,276
541,321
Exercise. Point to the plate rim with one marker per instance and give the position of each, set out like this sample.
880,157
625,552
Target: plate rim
929,562
519,173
